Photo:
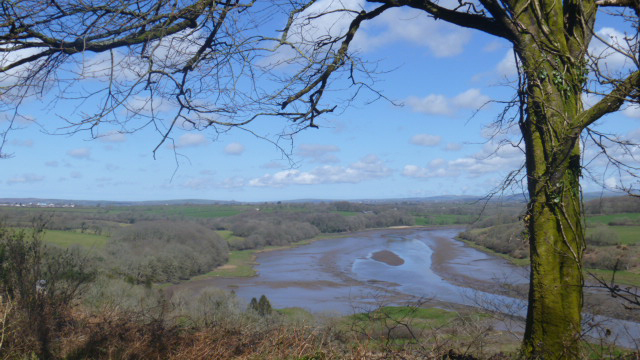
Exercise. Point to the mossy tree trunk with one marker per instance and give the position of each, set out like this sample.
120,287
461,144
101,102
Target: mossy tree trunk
556,234
552,49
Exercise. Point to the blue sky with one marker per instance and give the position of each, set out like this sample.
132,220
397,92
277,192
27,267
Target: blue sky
434,144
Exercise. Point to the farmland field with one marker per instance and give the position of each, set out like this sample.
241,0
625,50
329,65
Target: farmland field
71,238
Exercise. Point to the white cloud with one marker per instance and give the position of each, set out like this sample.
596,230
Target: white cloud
453,147
171,51
80,153
113,137
52,163
493,46
425,140
608,47
273,165
199,183
75,175
632,111
436,163
232,183
415,171
149,106
507,66
323,154
588,100
190,140
413,26
471,99
234,149
437,104
368,168
13,76
432,104
611,183
24,143
107,64
493,158
322,20
112,167
25,179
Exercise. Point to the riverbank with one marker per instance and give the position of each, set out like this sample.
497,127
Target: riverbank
242,263
330,265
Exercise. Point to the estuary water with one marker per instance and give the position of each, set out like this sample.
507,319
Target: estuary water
341,275
344,276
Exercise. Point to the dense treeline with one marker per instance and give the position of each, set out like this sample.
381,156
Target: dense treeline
161,251
505,234
613,205
281,227
170,243
503,238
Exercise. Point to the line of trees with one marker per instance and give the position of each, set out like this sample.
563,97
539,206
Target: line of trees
165,251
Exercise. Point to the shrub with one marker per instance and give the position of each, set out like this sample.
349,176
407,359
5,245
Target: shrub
38,284
608,259
602,236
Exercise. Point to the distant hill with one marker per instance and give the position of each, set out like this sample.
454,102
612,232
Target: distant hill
517,198
60,202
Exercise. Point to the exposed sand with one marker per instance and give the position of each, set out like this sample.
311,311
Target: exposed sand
226,267
387,257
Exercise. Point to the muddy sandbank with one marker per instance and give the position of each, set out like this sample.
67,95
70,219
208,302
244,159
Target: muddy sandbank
387,257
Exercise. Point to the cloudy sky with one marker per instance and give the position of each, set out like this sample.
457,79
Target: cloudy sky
431,141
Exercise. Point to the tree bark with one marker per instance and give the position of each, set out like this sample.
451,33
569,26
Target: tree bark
556,236
554,219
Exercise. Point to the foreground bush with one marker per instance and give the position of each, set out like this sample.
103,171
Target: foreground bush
38,287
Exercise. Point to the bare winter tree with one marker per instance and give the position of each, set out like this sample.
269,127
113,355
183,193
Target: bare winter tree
207,62
122,64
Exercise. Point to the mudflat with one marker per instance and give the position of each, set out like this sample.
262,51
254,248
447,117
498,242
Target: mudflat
387,257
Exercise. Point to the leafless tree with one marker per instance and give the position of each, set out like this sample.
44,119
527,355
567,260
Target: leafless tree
125,65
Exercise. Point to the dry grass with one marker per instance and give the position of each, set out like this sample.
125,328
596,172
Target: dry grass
161,333
154,334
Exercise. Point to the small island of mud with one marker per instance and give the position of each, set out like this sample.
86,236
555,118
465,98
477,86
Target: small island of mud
387,257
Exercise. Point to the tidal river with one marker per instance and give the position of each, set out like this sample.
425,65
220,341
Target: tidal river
372,268
386,267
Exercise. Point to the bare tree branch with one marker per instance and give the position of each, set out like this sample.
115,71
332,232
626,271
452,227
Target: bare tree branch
612,101
495,26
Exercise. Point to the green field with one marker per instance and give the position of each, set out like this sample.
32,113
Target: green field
228,236
197,211
71,238
436,316
240,264
444,219
628,235
622,277
605,219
